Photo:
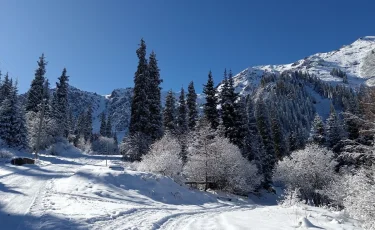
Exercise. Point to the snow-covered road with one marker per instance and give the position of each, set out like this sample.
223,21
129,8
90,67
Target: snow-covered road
80,192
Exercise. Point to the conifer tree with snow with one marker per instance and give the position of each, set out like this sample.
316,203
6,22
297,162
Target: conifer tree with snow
154,99
191,103
253,145
182,123
333,129
140,113
12,124
36,93
228,116
241,124
210,107
268,159
5,88
317,130
169,113
60,105
108,127
103,125
71,122
278,137
87,124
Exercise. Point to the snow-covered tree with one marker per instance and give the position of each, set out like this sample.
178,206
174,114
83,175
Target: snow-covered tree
36,93
103,125
104,146
317,130
310,170
191,102
60,106
182,123
333,128
133,147
140,113
169,113
210,107
268,159
108,129
163,157
154,99
214,159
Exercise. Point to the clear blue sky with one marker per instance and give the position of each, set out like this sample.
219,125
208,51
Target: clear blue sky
96,40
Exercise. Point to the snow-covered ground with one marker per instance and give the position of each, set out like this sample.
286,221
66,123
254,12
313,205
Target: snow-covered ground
79,192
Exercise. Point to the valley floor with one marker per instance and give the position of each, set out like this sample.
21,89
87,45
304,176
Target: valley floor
80,192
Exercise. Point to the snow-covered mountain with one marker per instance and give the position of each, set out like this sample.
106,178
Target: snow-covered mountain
357,60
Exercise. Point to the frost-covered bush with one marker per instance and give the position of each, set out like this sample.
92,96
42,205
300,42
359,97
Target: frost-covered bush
217,160
291,197
310,170
48,131
5,154
360,196
163,158
104,146
84,146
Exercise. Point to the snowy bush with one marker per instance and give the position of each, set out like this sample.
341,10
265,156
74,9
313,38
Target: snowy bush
83,145
216,160
104,146
360,196
163,158
5,154
310,170
291,197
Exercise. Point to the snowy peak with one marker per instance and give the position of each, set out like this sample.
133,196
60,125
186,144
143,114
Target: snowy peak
357,60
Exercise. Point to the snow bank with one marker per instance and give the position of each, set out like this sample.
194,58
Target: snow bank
102,182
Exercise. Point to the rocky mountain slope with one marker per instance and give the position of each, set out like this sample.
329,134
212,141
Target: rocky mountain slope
356,60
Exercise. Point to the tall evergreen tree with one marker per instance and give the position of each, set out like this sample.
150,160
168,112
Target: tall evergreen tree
191,102
60,103
36,92
71,122
182,122
109,126
103,125
210,107
5,88
278,137
241,124
12,123
333,128
169,113
139,119
268,159
154,99
87,130
317,130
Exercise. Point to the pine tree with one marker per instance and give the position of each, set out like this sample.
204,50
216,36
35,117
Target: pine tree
36,92
333,129
210,107
139,120
241,124
108,127
154,99
103,125
268,159
253,148
87,124
71,122
278,137
60,104
12,123
182,123
317,130
5,88
169,113
191,102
